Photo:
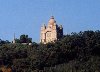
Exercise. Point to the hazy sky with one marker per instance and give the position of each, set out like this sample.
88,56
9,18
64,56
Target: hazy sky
27,16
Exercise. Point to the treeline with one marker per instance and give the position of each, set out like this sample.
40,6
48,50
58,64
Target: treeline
23,39
77,52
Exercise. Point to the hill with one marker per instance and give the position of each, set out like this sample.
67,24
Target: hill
77,52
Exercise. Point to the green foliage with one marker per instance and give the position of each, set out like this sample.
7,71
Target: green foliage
77,52
4,42
24,39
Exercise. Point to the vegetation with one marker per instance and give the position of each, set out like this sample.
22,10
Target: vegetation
24,39
77,52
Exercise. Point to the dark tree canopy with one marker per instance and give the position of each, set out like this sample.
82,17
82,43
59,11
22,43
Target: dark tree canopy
76,52
24,39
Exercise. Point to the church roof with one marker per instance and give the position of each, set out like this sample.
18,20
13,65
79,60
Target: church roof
52,20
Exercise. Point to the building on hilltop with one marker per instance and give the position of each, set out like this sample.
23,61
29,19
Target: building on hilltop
52,32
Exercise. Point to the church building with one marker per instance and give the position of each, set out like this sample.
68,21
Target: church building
52,32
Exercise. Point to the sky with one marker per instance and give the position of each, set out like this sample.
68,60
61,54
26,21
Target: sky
27,16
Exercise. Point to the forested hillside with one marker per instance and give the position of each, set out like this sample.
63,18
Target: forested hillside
77,52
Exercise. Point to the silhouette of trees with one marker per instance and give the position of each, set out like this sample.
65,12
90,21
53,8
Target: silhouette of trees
77,52
24,39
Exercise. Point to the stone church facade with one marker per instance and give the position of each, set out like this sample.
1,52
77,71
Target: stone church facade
51,33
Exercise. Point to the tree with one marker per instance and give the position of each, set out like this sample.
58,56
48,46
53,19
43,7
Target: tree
25,39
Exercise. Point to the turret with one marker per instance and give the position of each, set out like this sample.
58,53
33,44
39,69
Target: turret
60,27
43,27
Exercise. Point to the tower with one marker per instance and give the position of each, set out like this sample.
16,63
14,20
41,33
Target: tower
14,39
52,32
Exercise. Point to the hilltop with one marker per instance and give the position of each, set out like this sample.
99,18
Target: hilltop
77,52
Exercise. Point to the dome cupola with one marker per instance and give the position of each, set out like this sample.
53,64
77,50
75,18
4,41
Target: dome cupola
52,20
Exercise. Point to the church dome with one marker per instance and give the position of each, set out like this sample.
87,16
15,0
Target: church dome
52,20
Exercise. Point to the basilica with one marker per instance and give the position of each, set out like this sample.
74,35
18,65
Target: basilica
52,32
